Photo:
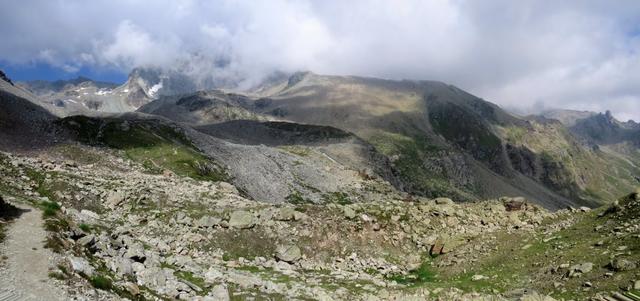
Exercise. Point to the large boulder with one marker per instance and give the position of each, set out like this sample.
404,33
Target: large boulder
115,198
81,265
218,293
288,253
152,277
285,214
241,219
621,264
122,266
348,212
443,201
579,269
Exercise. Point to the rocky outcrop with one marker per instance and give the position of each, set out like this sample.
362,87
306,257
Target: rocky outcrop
5,78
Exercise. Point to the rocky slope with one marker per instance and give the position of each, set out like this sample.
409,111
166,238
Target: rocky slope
205,107
22,121
81,96
567,117
133,234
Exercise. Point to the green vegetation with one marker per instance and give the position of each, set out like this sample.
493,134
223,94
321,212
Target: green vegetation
296,198
594,175
197,281
55,225
101,282
337,198
57,275
157,147
40,177
417,277
466,130
411,156
49,209
84,227
533,259
296,150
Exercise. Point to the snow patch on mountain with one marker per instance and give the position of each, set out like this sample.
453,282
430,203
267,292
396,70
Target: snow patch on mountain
152,92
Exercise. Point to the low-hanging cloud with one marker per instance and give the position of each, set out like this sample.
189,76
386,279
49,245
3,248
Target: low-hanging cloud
527,55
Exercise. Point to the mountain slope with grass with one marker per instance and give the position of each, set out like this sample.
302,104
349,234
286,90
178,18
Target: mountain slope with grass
448,142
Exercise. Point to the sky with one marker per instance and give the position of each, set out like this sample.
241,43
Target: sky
524,55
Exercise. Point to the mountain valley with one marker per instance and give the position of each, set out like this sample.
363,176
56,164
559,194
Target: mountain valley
313,187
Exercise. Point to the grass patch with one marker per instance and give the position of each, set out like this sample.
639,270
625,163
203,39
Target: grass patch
49,209
296,198
189,277
337,198
57,275
54,244
84,227
156,146
411,156
101,282
421,275
296,150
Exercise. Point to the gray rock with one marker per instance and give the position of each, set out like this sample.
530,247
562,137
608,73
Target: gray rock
636,285
87,241
81,265
88,217
135,251
579,269
584,209
137,267
241,219
348,212
122,266
288,253
534,296
228,188
115,198
208,222
183,219
299,216
152,277
218,293
213,275
285,214
132,288
191,285
621,264
443,201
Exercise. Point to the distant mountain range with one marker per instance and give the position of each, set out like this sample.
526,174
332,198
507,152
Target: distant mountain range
425,137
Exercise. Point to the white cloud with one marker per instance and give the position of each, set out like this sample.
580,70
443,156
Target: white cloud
133,46
522,54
